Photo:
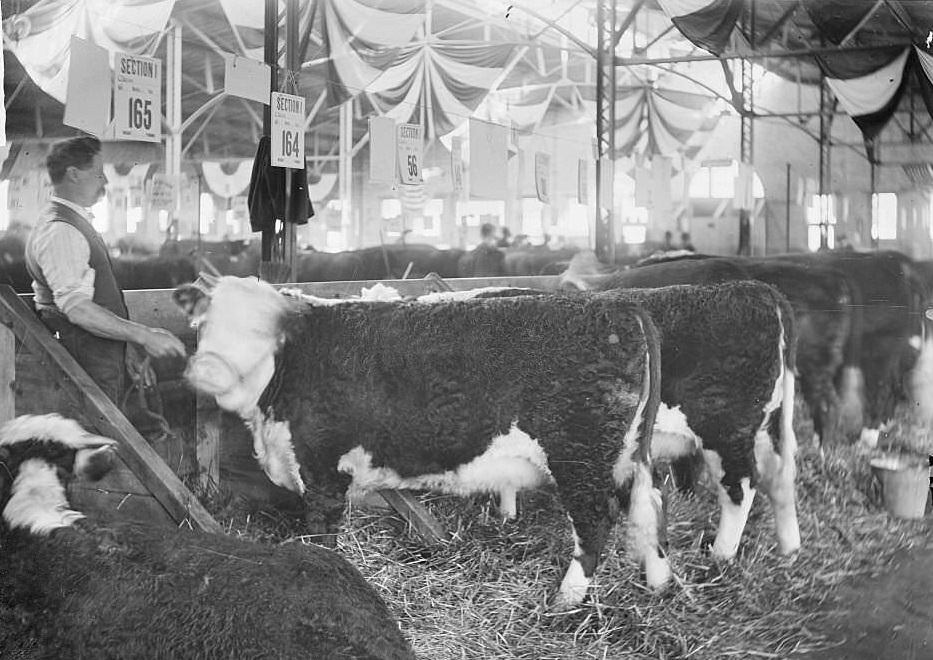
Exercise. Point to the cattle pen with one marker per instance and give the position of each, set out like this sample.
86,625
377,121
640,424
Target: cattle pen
461,582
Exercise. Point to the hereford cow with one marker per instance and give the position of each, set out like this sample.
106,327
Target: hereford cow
459,397
70,588
727,394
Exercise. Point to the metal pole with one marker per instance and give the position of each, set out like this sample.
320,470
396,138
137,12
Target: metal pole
787,212
293,65
271,57
173,118
345,175
826,119
605,127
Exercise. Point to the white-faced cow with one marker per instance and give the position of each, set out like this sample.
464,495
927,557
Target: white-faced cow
72,588
727,388
459,397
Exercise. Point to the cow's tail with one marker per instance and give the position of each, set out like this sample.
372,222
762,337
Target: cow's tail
921,375
647,507
783,471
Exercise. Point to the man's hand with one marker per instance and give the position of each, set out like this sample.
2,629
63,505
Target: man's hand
160,343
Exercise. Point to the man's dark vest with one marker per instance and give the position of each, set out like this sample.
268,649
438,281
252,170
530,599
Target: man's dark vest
103,359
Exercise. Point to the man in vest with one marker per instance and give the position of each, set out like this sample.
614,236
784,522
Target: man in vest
77,295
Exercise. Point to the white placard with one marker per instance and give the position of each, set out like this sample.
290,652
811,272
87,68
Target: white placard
247,78
382,158
137,98
410,151
543,177
87,101
489,159
288,130
161,192
456,164
583,182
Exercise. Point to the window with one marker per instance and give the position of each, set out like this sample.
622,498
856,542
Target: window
884,216
206,213
717,181
820,209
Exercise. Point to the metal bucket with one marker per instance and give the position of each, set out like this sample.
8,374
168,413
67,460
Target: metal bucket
905,485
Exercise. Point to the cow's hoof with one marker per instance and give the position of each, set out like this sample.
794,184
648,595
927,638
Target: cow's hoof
560,603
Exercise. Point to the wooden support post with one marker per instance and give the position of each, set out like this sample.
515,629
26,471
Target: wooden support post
7,372
208,443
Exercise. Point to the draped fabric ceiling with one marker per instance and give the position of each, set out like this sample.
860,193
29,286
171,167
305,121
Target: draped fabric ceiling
868,84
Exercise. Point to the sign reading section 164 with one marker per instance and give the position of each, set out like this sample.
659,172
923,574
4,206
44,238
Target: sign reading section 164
288,131
137,98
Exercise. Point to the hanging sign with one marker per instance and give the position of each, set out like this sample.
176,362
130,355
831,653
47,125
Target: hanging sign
410,149
161,192
583,182
288,131
87,104
456,164
382,159
543,177
137,98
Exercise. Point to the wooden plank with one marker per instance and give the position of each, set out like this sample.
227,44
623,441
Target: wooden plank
415,514
107,419
208,443
7,373
105,506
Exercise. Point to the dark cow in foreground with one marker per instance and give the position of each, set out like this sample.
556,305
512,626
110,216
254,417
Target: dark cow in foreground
492,395
70,588
727,393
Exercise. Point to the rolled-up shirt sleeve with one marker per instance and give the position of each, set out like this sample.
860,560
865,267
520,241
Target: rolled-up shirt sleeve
64,256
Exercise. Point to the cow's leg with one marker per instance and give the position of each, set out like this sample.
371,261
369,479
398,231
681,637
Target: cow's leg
508,503
636,489
733,511
777,472
583,490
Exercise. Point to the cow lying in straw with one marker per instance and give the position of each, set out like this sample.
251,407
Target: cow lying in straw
73,589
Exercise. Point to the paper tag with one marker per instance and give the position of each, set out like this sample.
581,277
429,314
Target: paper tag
87,101
410,150
288,130
137,98
247,78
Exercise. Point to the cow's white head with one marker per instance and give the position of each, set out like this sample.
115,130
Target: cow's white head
240,331
38,455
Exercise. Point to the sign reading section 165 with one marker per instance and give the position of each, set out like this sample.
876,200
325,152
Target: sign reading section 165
288,131
137,98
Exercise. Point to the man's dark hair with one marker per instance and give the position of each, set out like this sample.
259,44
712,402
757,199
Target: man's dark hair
77,152
487,229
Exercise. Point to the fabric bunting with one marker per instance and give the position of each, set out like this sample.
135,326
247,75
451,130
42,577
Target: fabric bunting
446,81
226,184
872,98
706,23
656,121
127,26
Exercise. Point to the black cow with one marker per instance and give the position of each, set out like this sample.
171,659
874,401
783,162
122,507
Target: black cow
152,272
820,299
70,588
465,396
888,330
